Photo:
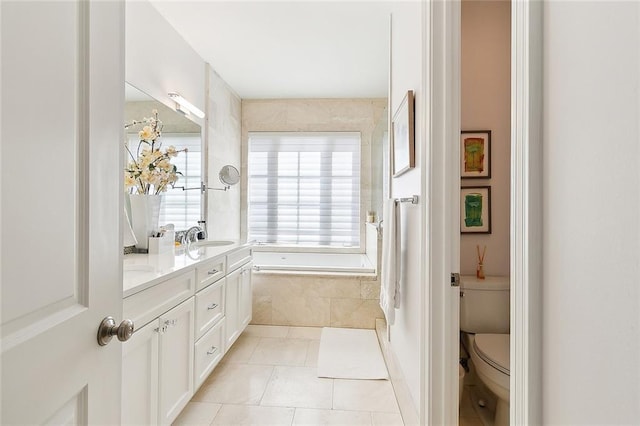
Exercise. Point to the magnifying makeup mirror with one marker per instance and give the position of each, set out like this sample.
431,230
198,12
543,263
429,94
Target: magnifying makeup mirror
229,176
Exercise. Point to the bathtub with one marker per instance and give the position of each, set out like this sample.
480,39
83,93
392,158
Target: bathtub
321,263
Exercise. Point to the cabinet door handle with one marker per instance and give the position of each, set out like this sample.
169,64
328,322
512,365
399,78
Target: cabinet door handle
212,351
213,272
171,323
212,306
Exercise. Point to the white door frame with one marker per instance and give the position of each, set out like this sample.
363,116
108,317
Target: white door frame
441,80
526,212
441,186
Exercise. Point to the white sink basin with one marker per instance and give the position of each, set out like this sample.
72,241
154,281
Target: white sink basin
212,243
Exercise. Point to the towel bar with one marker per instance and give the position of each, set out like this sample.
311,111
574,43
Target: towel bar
412,200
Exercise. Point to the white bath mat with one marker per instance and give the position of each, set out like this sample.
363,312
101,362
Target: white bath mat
348,353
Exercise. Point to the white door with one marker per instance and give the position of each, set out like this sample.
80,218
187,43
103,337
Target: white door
62,100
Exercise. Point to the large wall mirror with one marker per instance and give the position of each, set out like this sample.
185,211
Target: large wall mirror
179,207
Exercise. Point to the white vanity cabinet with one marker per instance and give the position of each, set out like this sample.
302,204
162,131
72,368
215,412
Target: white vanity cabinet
238,295
157,377
183,327
157,363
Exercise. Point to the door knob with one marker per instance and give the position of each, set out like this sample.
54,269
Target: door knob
108,329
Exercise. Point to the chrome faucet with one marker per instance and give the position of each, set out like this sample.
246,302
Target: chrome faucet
192,234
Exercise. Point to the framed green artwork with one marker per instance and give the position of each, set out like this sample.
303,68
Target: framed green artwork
475,210
475,154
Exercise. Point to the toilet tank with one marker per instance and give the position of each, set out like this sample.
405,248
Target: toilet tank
484,304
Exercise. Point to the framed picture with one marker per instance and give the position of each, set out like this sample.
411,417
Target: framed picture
403,136
475,210
475,154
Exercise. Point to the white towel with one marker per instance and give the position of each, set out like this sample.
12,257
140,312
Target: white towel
391,262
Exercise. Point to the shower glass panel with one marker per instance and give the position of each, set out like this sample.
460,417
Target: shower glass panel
380,165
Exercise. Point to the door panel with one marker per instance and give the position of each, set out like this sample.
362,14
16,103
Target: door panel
72,413
61,190
37,136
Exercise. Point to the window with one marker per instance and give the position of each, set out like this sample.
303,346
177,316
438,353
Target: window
304,189
182,208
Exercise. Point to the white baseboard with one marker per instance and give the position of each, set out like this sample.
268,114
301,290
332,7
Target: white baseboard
408,409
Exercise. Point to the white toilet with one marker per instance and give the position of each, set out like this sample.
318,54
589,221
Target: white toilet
484,318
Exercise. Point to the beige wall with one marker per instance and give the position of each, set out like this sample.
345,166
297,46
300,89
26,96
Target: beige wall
486,104
314,115
223,143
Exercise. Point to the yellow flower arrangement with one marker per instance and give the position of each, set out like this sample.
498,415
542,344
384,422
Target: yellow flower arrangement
151,172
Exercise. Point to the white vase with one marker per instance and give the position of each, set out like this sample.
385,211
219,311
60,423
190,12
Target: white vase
145,213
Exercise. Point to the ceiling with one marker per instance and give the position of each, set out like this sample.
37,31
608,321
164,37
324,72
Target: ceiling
289,49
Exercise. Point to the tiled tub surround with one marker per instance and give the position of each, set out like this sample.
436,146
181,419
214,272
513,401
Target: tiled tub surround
295,299
314,299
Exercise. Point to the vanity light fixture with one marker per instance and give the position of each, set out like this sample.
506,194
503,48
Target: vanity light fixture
182,104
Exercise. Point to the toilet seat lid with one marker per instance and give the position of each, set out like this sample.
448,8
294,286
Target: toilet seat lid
494,350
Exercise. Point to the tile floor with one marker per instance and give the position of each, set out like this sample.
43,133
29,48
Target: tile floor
468,414
471,412
269,378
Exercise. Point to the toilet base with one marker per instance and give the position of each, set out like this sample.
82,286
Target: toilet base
461,374
502,413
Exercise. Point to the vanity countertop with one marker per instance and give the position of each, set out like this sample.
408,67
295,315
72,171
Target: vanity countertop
141,271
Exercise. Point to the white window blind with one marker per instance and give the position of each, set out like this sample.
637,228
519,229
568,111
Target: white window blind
304,188
182,208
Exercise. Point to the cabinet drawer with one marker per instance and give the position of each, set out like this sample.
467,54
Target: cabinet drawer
209,306
148,304
208,352
238,258
210,271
